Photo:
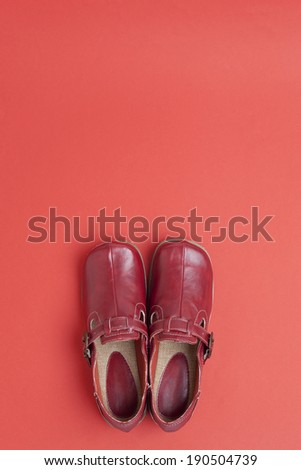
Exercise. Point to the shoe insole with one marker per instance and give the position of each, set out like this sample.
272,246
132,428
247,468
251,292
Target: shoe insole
174,380
121,388
173,393
118,378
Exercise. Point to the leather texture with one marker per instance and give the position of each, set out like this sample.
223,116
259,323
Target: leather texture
180,304
114,297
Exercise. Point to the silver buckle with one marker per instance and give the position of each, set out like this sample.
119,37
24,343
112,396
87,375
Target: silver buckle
209,348
87,351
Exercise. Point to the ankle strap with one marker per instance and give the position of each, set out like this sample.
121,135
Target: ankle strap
113,327
186,328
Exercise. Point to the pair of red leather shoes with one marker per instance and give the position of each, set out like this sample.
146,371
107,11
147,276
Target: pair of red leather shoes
129,356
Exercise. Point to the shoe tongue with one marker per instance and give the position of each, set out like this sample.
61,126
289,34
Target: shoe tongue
177,337
134,335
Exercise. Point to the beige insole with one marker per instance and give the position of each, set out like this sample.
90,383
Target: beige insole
103,353
166,350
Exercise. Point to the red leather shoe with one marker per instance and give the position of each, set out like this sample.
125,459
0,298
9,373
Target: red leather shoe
116,339
180,301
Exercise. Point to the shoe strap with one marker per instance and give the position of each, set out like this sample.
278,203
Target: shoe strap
113,328
174,326
117,326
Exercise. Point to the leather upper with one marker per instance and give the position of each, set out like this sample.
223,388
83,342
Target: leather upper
114,293
180,298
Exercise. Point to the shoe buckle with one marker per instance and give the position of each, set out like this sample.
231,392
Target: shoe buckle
87,351
209,348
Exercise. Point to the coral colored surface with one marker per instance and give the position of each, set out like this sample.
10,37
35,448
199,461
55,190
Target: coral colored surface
155,107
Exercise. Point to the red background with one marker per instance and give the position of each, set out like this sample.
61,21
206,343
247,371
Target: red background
155,107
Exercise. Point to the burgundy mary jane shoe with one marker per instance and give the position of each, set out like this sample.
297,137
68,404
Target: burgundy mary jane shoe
180,302
114,293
